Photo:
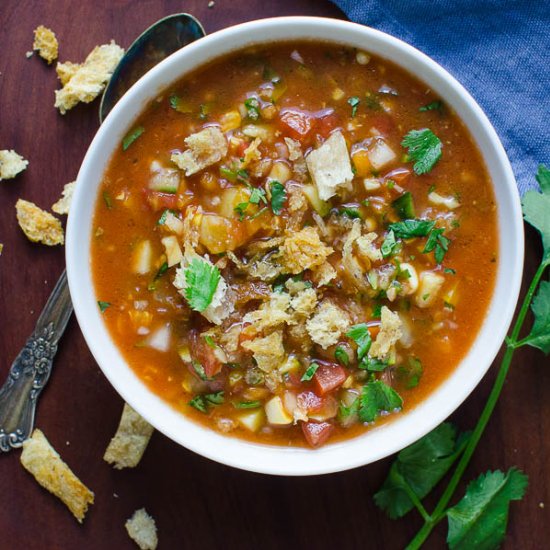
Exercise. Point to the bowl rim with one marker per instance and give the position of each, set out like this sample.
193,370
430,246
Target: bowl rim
378,442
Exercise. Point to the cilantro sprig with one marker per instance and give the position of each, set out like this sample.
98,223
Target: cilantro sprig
201,280
278,196
424,148
479,519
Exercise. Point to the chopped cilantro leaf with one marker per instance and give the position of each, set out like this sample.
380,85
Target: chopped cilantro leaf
433,106
404,206
419,468
310,372
256,195
201,279
479,520
424,147
409,375
372,101
132,136
198,403
408,229
450,271
341,355
228,174
438,243
360,334
103,305
241,209
354,102
377,311
107,200
247,404
389,245
216,398
199,369
377,397
352,213
278,197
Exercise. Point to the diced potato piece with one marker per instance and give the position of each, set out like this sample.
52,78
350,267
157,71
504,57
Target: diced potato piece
142,258
409,283
380,154
448,202
371,184
230,198
265,133
230,121
276,413
362,163
428,289
252,420
280,171
321,207
173,250
174,224
216,234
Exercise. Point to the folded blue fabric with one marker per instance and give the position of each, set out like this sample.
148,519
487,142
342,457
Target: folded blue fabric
498,49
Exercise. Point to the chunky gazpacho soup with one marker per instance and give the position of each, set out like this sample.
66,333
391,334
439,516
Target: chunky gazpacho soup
295,242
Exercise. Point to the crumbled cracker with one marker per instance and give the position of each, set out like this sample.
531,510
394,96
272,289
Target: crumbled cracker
390,332
303,304
269,354
89,79
28,55
323,274
330,166
11,164
44,463
142,530
130,441
205,148
270,314
296,156
45,43
303,250
63,204
353,268
366,248
65,71
327,324
39,226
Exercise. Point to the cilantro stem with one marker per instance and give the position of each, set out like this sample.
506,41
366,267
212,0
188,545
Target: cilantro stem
416,501
511,345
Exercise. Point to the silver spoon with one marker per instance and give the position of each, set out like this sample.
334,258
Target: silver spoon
32,367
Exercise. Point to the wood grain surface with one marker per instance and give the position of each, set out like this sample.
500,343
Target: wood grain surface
197,503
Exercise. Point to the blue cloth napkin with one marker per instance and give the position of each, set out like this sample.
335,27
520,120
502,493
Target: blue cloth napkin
499,50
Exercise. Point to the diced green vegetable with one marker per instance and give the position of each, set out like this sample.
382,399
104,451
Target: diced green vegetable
390,244
310,372
354,102
404,206
131,137
341,355
247,404
107,200
103,306
433,106
409,375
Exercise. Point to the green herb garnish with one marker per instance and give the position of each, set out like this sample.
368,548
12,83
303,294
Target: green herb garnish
278,197
433,106
247,404
352,213
107,200
389,245
310,372
438,243
409,375
377,397
360,334
408,229
341,355
404,206
132,136
424,148
103,305
201,279
354,102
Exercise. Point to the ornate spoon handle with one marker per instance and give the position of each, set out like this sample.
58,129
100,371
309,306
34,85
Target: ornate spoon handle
31,369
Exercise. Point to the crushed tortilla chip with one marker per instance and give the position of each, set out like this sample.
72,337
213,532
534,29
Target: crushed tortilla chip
269,354
303,250
390,332
89,79
44,463
45,43
11,164
39,226
142,530
328,324
130,441
63,204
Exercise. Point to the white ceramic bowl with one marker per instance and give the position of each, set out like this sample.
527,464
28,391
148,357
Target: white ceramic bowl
377,443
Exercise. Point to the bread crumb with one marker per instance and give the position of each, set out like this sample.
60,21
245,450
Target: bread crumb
303,250
205,148
323,274
269,354
44,463
328,324
390,332
142,530
330,166
130,440
28,55
11,164
45,43
270,314
88,80
251,153
63,204
39,226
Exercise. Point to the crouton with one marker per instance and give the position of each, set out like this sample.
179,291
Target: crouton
65,71
38,226
89,79
269,354
142,530
303,250
11,164
63,204
390,332
271,314
366,248
264,268
327,324
45,43
222,304
330,166
44,463
353,269
296,199
251,153
303,304
130,441
205,148
323,274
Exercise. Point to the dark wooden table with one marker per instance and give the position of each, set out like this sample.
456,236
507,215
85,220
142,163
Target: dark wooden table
197,503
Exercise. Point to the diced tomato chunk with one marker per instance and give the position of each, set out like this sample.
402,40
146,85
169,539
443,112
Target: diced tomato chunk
296,123
204,354
309,401
317,433
329,377
327,123
383,123
161,201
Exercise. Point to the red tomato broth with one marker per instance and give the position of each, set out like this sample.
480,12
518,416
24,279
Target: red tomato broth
131,212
